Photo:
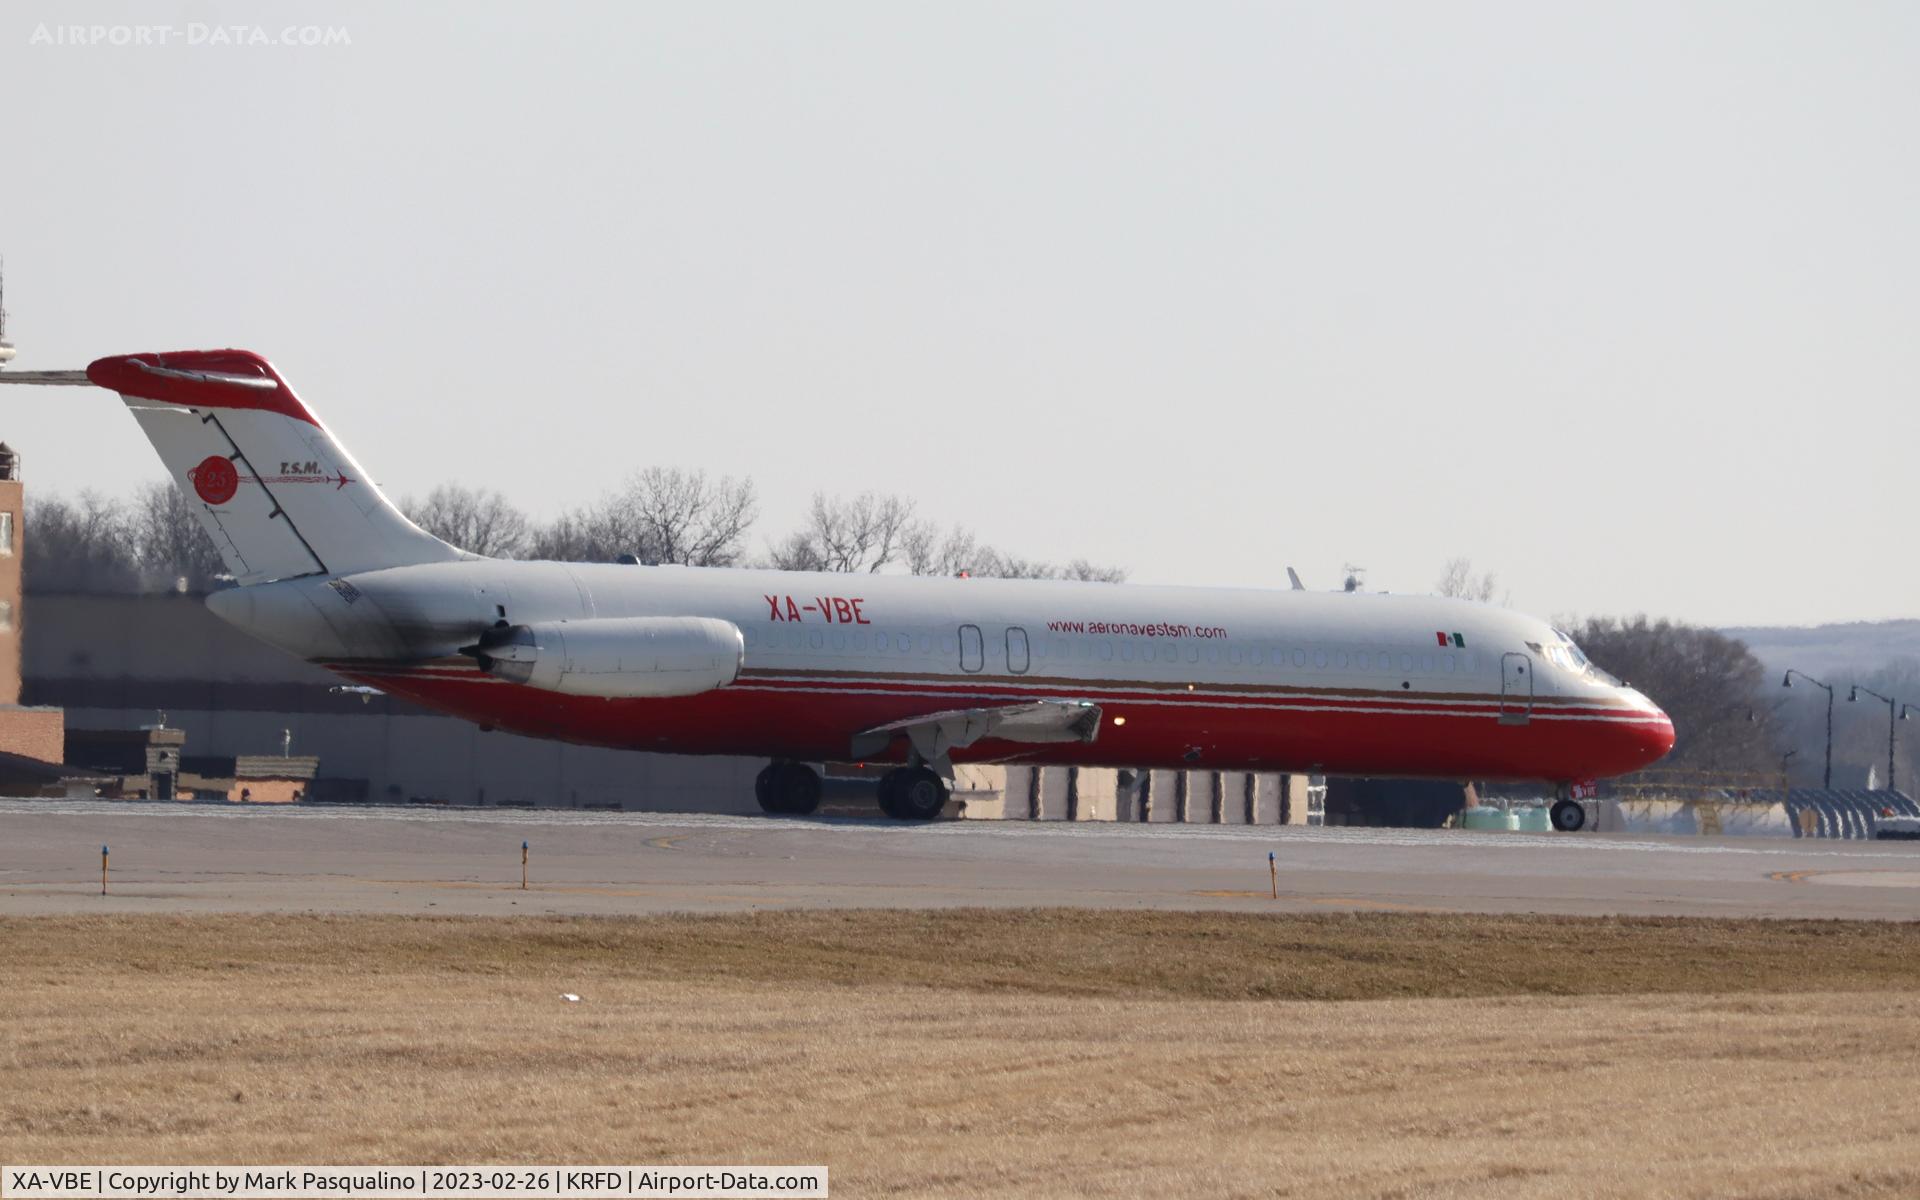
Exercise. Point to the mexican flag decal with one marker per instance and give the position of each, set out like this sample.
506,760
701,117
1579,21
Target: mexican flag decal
1449,640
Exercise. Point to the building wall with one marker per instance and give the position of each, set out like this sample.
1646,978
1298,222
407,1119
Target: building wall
120,661
35,732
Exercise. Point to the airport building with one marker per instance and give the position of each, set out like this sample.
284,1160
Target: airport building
32,732
120,662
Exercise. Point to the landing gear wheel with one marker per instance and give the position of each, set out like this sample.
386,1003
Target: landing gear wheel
914,794
787,787
1569,816
889,792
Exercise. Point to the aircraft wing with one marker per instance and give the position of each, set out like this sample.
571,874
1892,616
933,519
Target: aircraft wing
47,378
934,736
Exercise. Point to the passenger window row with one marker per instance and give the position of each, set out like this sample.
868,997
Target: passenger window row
968,645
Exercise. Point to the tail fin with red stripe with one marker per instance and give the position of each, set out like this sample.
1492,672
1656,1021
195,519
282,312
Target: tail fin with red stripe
277,492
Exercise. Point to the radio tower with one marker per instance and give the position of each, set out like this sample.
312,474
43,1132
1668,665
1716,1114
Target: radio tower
6,347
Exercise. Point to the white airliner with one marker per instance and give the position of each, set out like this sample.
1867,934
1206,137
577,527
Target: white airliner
804,668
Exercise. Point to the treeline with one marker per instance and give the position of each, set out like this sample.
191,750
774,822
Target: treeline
153,542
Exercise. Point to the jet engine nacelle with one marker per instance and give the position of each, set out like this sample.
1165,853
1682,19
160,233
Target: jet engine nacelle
617,656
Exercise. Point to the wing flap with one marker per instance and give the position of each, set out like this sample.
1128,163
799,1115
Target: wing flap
935,736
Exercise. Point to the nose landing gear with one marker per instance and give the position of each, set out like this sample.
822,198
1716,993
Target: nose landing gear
1568,814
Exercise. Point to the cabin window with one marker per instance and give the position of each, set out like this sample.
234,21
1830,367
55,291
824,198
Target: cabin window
1320,659
859,639
1406,662
947,644
1340,659
1019,659
1299,657
1234,655
1170,653
1126,651
1106,651
972,649
1213,654
1426,663
903,643
814,639
1447,663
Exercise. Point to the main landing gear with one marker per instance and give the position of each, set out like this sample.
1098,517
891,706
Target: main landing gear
787,787
915,793
912,793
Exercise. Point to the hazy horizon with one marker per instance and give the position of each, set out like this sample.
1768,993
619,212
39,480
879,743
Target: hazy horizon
1617,301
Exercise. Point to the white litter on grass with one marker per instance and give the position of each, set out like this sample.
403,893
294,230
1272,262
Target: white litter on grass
569,997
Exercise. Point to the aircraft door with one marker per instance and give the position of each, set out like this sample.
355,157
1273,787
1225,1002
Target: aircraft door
973,651
1516,689
1019,655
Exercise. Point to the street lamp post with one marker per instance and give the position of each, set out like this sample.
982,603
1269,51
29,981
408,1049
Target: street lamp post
1855,692
1826,780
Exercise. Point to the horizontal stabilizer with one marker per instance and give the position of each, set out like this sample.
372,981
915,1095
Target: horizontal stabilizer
47,378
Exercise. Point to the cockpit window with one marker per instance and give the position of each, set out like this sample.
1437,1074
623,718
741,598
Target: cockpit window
1570,656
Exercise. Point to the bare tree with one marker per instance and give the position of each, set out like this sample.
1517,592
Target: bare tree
858,535
478,520
929,552
684,517
168,541
1457,582
662,515
1710,684
82,546
1088,572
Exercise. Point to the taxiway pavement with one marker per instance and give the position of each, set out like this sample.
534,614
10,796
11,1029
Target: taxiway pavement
230,858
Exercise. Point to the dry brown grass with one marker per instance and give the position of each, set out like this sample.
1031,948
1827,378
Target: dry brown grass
1049,1053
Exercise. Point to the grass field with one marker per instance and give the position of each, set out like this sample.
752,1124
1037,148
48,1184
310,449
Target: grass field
975,1053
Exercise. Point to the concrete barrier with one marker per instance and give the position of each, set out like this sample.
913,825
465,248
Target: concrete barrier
1712,817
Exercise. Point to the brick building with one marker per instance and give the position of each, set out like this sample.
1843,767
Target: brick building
36,733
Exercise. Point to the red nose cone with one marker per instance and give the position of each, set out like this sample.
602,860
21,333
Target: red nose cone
1656,739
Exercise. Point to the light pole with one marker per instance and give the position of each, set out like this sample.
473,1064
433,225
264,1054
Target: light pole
1854,693
1826,780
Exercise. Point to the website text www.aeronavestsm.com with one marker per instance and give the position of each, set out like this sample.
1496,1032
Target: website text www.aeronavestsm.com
1151,629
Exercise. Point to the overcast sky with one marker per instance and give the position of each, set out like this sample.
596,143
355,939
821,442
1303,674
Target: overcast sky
1621,300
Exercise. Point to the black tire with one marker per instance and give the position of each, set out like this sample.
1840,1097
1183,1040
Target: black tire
888,792
1569,816
800,790
766,788
920,795
787,789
